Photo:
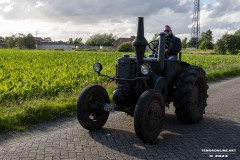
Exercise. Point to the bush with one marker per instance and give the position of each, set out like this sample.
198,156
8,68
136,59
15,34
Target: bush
125,47
87,49
59,49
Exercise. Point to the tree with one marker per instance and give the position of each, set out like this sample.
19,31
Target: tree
29,42
206,40
205,44
20,41
19,38
232,43
228,43
70,41
48,39
101,40
78,41
237,33
220,47
191,42
1,39
184,43
10,41
206,35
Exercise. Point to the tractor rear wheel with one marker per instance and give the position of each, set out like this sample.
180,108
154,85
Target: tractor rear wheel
90,107
191,95
149,115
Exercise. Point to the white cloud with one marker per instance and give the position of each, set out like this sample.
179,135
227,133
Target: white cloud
8,7
39,4
4,1
62,19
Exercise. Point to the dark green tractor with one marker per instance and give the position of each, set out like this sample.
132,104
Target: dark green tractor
145,86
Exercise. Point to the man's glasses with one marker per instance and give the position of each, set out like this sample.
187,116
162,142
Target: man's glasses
166,30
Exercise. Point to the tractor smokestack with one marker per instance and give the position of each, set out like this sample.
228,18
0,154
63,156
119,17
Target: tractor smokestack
140,43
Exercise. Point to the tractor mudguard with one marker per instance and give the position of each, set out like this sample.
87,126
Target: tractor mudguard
173,69
162,86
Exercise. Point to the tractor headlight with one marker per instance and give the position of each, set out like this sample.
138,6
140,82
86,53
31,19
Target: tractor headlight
97,67
145,69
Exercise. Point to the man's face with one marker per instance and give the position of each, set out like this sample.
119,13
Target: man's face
168,31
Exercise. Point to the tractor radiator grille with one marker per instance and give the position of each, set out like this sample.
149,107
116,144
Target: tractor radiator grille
126,67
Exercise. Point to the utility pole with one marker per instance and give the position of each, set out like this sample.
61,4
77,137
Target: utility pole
195,33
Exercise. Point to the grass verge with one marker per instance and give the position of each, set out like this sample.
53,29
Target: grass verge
20,116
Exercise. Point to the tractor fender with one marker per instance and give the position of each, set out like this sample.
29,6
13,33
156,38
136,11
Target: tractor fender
161,85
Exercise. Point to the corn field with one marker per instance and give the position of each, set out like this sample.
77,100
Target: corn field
29,74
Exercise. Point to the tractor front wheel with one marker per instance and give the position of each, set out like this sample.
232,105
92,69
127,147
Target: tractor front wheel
148,116
90,107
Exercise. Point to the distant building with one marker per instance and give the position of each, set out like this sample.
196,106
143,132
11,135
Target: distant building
38,40
42,44
119,41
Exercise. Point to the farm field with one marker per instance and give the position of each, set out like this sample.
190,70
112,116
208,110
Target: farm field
37,74
36,86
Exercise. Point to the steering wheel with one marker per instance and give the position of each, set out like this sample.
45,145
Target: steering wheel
153,45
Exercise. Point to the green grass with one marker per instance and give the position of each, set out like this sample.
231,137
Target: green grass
34,112
19,117
216,66
38,86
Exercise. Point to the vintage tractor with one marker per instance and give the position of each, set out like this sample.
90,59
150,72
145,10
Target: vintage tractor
145,85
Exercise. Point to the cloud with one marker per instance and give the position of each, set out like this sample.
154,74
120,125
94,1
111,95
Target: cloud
8,8
88,17
91,11
39,4
221,17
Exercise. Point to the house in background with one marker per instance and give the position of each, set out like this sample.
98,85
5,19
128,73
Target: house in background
38,40
42,44
119,41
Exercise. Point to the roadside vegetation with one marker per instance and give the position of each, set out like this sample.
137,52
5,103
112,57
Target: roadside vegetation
38,86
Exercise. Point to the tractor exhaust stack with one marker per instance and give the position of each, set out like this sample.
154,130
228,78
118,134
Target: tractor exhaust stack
140,43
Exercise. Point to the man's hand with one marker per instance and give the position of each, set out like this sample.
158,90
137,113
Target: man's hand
167,50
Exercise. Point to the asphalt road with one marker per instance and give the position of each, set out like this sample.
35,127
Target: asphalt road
218,135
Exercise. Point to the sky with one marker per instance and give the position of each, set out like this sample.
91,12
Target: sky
64,19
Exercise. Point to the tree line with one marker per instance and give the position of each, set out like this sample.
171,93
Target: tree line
23,41
18,41
228,43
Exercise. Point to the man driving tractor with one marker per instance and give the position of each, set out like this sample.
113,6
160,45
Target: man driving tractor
173,44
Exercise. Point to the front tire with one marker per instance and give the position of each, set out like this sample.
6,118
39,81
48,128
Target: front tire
90,107
148,116
191,95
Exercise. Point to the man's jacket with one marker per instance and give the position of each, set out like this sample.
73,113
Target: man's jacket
174,44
